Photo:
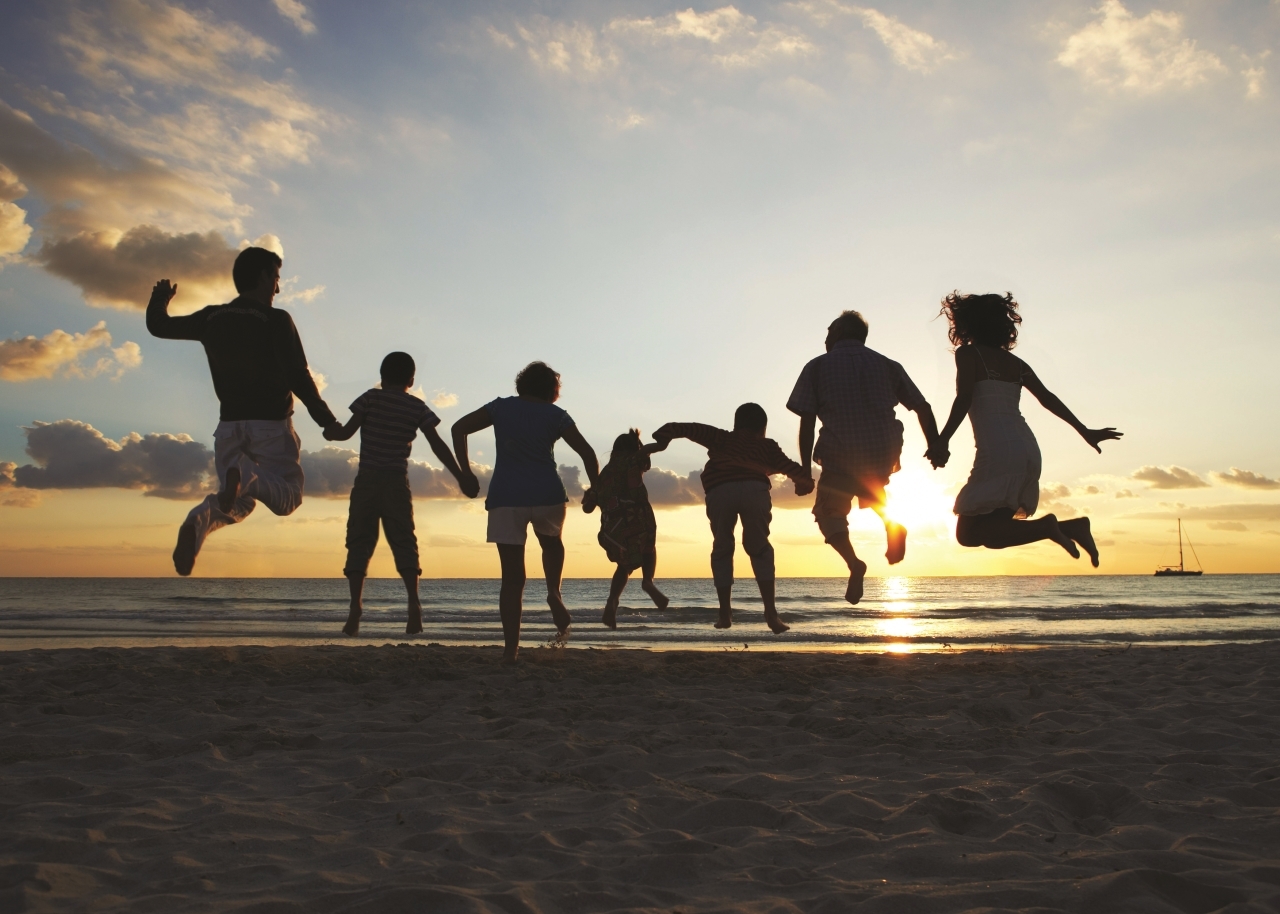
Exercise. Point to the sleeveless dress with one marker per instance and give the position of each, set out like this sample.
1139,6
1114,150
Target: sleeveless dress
1006,468
628,529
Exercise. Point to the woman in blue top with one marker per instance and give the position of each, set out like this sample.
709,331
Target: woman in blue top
526,488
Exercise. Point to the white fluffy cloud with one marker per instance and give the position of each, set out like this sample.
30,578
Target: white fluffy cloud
1118,50
59,352
298,14
14,231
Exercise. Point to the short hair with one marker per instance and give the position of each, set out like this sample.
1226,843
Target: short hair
538,379
750,417
398,368
250,265
990,319
627,443
850,325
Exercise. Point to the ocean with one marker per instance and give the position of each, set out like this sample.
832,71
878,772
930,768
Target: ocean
897,613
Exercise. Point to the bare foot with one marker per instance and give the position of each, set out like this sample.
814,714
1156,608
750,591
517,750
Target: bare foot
510,656
561,638
726,618
610,617
352,628
415,621
659,598
230,492
897,537
776,625
1056,534
856,576
1080,530
559,614
184,554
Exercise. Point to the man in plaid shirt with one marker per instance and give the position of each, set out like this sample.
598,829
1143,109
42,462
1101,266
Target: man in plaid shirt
854,390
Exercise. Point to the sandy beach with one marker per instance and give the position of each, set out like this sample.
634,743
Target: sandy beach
430,779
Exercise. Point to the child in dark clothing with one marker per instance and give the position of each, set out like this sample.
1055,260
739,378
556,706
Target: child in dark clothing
628,530
389,419
736,482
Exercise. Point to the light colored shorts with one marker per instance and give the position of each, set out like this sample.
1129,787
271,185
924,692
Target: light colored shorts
510,526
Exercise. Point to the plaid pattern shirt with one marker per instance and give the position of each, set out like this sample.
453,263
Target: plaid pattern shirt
854,390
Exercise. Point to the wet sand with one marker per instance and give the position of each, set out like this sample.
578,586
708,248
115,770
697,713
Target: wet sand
431,779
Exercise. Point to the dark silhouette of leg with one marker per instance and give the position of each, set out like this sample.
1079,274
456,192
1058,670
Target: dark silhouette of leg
722,512
647,569
1080,530
553,568
511,598
356,585
999,530
757,514
616,586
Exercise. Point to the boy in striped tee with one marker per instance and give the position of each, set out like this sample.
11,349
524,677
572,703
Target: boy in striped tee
389,419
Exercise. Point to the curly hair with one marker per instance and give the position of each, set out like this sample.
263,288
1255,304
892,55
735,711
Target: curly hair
990,319
538,379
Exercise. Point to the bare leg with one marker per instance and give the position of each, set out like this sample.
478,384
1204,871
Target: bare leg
1079,529
616,586
647,569
511,598
415,605
895,536
726,607
999,530
352,628
839,541
553,568
776,625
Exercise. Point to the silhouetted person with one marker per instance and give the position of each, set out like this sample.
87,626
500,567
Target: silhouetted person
257,363
1004,484
736,483
389,418
854,391
526,488
628,529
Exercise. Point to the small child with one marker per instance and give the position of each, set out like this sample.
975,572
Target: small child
736,482
628,530
389,419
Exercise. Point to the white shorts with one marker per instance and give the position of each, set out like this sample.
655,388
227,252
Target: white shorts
510,526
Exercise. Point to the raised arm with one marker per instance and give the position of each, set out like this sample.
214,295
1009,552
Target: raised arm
1093,436
466,481
468,425
161,324
574,439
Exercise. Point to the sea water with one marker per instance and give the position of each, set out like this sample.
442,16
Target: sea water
896,613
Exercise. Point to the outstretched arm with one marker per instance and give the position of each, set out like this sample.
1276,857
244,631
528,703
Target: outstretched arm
468,425
966,377
1093,436
574,439
338,432
929,425
466,481
159,321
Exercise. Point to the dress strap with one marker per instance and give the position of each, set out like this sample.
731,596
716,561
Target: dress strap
984,365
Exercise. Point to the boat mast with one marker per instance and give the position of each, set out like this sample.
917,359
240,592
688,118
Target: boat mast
1181,566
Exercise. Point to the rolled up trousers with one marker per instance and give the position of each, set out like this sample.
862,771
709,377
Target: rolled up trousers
749,501
267,453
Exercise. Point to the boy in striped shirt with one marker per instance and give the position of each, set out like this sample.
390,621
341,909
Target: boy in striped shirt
389,419
736,483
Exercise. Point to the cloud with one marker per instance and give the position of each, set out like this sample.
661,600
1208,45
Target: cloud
331,471
1243,478
296,13
289,293
735,38
1253,81
568,48
1118,51
321,381
118,270
910,48
441,399
1231,525
1237,512
14,231
572,479
671,490
11,497
1126,493
75,455
60,352
1173,477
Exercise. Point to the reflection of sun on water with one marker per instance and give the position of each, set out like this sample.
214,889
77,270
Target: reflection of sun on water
897,599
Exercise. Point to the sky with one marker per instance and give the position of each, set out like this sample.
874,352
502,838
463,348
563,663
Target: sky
668,204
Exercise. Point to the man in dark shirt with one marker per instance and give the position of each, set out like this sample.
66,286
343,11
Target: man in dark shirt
736,483
257,363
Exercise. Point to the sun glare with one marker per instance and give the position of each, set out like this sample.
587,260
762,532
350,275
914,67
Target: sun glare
916,500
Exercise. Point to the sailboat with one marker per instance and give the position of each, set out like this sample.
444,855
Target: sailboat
1181,569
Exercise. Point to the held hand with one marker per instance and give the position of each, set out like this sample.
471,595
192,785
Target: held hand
332,431
938,455
1097,435
164,291
664,434
469,484
588,501
804,486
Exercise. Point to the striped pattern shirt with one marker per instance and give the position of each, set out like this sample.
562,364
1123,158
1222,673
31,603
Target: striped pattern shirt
736,456
389,421
853,390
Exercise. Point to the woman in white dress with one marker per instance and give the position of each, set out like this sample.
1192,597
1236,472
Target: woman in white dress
1004,485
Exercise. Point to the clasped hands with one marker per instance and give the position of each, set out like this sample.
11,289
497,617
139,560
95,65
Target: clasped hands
938,455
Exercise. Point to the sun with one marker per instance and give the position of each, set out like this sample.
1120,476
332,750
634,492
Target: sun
916,499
